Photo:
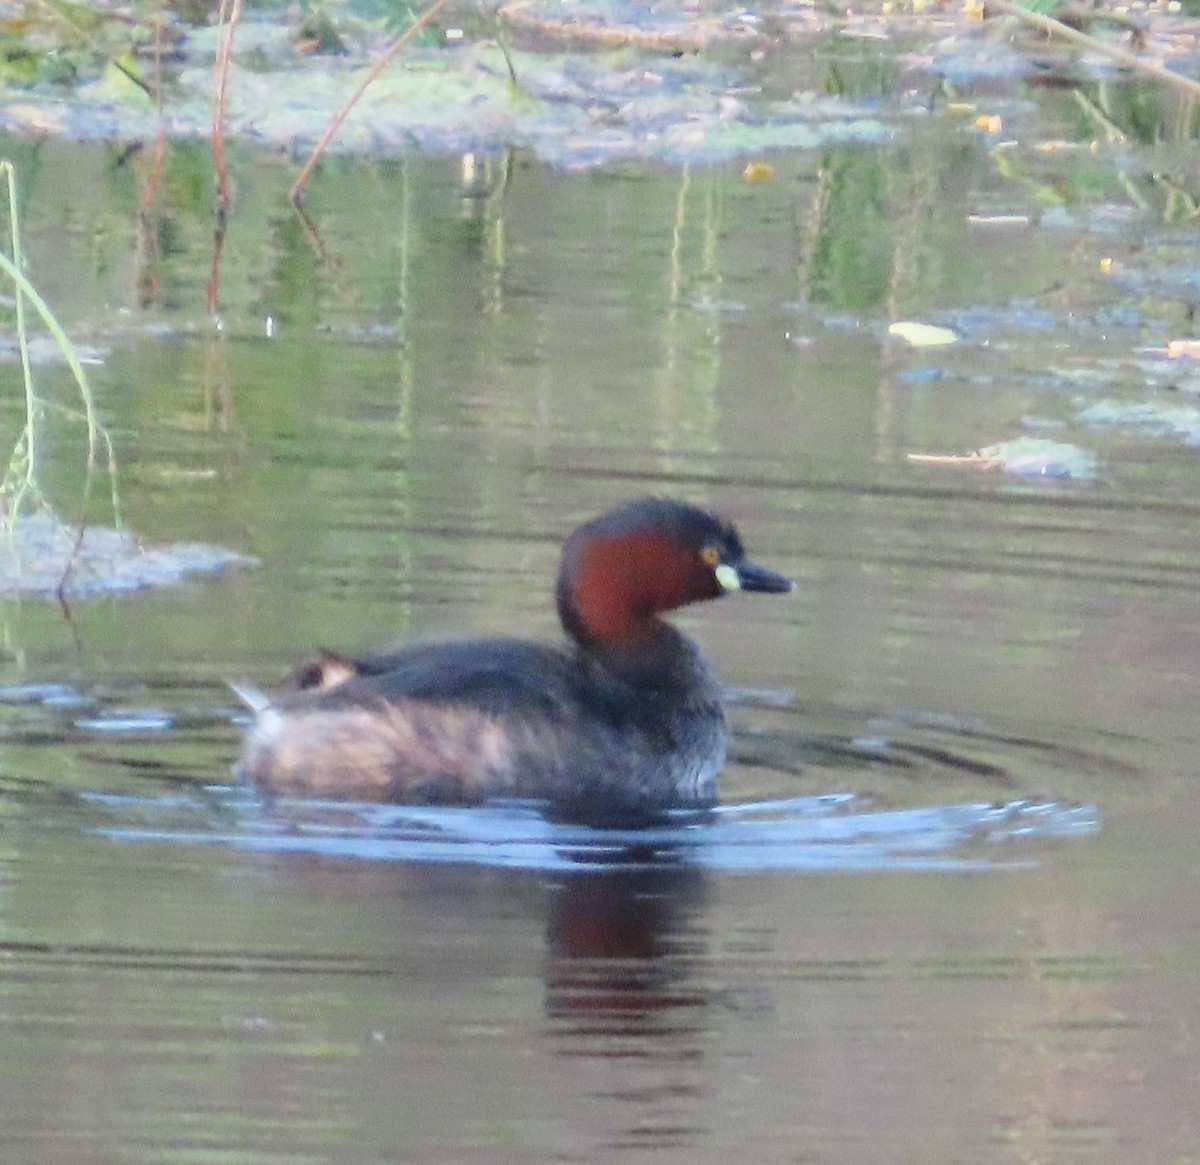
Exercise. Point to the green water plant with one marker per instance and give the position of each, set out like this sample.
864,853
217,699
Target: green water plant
20,489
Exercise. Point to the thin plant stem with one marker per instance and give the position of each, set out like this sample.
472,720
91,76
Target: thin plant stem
297,192
28,444
24,287
1122,56
25,453
228,16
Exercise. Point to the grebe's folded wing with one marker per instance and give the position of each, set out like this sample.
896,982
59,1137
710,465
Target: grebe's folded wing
501,676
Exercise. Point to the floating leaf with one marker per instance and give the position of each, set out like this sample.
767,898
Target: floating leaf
758,172
998,220
922,335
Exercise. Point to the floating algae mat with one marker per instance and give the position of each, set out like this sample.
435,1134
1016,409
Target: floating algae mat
572,109
41,551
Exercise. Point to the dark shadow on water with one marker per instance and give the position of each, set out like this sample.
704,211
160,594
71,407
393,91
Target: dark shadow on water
617,945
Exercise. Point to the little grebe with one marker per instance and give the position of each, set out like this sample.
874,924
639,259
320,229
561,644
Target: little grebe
620,723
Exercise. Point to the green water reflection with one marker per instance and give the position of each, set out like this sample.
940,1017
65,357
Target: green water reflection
408,400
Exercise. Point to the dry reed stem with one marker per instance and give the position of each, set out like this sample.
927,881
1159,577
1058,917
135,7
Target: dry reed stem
974,460
1122,56
228,16
160,136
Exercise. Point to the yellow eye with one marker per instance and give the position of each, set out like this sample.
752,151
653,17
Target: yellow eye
711,555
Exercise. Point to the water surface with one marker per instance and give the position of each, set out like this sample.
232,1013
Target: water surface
949,908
